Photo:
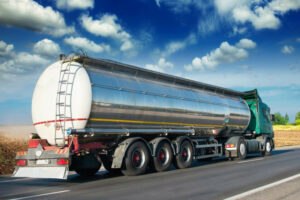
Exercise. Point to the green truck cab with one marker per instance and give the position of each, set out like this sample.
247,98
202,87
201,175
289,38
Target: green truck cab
261,119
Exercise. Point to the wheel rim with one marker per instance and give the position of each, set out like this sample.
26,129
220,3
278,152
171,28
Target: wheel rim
163,156
268,146
138,158
185,154
242,149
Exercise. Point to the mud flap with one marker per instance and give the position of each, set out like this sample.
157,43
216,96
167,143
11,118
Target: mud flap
60,172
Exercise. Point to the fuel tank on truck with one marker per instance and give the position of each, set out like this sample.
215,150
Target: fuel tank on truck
83,92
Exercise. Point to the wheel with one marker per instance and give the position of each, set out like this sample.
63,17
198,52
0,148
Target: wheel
241,149
107,162
136,159
163,157
87,172
185,156
86,166
268,148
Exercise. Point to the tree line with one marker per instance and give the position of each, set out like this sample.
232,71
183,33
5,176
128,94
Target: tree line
284,120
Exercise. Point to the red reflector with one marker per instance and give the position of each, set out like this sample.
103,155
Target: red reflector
62,161
21,162
35,142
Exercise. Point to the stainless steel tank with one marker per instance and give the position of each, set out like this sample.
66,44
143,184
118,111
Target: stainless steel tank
124,96
85,93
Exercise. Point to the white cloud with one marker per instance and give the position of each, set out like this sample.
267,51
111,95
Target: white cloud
107,26
226,53
247,79
238,30
175,46
246,44
208,23
298,39
283,6
161,65
85,44
6,50
196,64
46,48
74,4
23,63
261,14
30,15
287,49
157,2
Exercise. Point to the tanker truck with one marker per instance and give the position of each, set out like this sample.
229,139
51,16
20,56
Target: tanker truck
91,112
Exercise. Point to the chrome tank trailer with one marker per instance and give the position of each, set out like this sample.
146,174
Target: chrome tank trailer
92,94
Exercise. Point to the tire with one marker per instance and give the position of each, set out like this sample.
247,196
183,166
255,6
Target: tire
107,162
86,166
241,149
136,159
88,172
185,156
268,148
163,157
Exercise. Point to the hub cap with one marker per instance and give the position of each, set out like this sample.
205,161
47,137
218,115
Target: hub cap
242,149
185,154
268,146
138,158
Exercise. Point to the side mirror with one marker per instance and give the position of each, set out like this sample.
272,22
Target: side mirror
272,117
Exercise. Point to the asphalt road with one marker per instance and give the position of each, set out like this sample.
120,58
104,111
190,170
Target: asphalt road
217,179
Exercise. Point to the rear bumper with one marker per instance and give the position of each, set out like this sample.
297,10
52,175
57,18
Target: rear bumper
42,172
43,161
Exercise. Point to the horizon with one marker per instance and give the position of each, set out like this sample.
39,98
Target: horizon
240,45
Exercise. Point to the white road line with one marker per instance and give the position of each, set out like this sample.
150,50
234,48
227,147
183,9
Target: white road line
39,195
238,196
252,160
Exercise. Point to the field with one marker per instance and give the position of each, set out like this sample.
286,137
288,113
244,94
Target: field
286,135
8,149
14,138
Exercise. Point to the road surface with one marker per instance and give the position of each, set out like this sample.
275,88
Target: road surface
217,179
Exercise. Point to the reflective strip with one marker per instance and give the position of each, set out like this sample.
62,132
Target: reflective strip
161,123
61,120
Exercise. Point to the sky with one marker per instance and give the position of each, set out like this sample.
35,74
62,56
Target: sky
236,44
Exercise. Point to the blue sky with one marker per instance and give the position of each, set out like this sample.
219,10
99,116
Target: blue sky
237,44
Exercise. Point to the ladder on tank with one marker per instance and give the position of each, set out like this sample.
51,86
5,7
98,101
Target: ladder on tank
63,112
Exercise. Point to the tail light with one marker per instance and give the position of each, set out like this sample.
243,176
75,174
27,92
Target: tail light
21,162
229,145
62,161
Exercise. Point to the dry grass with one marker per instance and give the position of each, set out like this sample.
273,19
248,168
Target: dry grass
8,149
286,127
286,138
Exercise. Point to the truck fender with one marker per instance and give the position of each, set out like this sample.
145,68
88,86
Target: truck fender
154,143
178,141
233,140
231,152
121,150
